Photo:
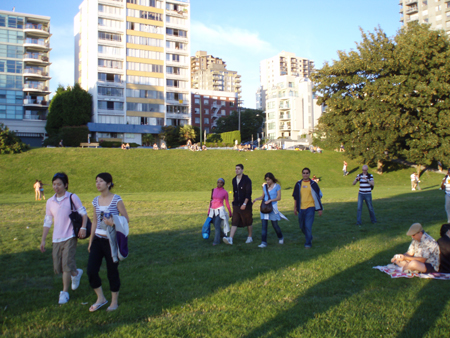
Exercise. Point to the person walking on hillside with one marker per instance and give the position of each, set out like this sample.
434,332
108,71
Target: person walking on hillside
106,206
271,195
217,210
366,184
41,190
242,205
307,200
413,181
37,191
344,169
446,187
64,240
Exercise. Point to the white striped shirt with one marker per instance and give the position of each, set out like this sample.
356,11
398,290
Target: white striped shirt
364,185
112,209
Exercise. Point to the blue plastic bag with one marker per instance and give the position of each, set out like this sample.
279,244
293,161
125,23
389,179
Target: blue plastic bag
206,229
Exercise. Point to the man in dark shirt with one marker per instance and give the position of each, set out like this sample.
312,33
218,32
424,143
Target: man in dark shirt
444,248
242,205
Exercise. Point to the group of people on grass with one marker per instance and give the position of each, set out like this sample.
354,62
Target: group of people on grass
39,190
107,207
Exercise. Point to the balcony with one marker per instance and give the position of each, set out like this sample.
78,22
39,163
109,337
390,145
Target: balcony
285,116
412,10
179,14
35,115
115,3
36,73
410,2
409,19
37,87
29,102
285,126
37,58
36,29
36,44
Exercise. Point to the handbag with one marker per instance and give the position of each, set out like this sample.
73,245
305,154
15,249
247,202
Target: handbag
206,228
266,208
77,221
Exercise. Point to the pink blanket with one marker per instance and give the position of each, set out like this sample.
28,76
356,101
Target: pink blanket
396,272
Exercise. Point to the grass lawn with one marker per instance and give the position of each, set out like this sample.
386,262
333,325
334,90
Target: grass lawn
175,284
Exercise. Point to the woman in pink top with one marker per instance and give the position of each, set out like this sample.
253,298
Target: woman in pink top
217,210
64,240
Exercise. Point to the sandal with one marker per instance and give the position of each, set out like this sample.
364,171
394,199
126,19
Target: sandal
96,306
109,309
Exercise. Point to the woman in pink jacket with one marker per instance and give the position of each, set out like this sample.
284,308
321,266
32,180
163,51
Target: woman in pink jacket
217,210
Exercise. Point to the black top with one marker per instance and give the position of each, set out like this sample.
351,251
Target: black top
243,191
444,256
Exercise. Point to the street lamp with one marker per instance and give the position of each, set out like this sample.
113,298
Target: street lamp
201,118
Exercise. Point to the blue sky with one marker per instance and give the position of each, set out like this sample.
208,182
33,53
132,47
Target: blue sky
241,32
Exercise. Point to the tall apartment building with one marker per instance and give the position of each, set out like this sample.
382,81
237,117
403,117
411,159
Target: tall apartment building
434,12
133,57
24,74
287,97
211,73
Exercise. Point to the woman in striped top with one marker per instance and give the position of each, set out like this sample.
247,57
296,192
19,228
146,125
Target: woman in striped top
105,207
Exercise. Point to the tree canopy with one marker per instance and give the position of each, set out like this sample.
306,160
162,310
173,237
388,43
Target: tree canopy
389,98
251,122
71,106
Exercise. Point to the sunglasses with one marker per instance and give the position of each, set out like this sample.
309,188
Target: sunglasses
59,175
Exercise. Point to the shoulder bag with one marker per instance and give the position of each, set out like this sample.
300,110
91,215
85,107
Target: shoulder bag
266,208
77,221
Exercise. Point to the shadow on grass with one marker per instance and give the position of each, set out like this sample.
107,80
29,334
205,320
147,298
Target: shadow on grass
353,170
174,267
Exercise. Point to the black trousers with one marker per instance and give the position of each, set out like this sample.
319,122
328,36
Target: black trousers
100,248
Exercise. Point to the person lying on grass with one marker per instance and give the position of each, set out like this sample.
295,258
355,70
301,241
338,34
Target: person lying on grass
422,254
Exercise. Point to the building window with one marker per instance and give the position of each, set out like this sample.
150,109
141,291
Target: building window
110,105
206,111
206,120
197,120
197,110
197,101
205,101
224,112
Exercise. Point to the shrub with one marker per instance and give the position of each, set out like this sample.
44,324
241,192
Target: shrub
73,136
9,142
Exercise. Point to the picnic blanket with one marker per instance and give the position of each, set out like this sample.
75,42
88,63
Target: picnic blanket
396,272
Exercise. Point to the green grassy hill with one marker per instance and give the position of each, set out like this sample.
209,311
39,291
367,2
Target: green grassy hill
144,170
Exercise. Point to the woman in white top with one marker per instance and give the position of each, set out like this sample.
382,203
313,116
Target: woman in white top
105,207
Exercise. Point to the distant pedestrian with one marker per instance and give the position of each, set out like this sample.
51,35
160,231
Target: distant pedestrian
307,198
439,166
41,190
217,211
413,181
366,184
446,187
155,146
344,169
61,143
242,205
37,191
271,195
64,240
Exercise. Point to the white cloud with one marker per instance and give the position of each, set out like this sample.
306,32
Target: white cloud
228,37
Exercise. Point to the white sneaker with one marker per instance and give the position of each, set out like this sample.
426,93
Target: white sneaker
262,245
76,279
228,240
249,240
63,297
281,241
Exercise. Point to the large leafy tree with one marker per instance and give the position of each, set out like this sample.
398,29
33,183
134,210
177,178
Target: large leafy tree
187,132
71,106
251,122
390,97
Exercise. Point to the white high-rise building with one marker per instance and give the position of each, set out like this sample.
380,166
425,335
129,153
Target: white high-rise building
286,96
133,57
24,74
433,12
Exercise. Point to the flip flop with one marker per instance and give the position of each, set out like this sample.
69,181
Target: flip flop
109,309
97,306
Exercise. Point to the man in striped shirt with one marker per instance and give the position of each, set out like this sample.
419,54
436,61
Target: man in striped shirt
366,185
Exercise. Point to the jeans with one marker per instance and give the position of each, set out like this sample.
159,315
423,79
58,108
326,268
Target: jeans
368,199
218,233
276,227
305,221
447,206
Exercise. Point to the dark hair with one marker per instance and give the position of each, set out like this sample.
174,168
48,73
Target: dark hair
444,229
107,178
309,171
63,177
270,175
240,165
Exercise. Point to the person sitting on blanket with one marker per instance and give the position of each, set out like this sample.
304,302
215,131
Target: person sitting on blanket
422,254
444,248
